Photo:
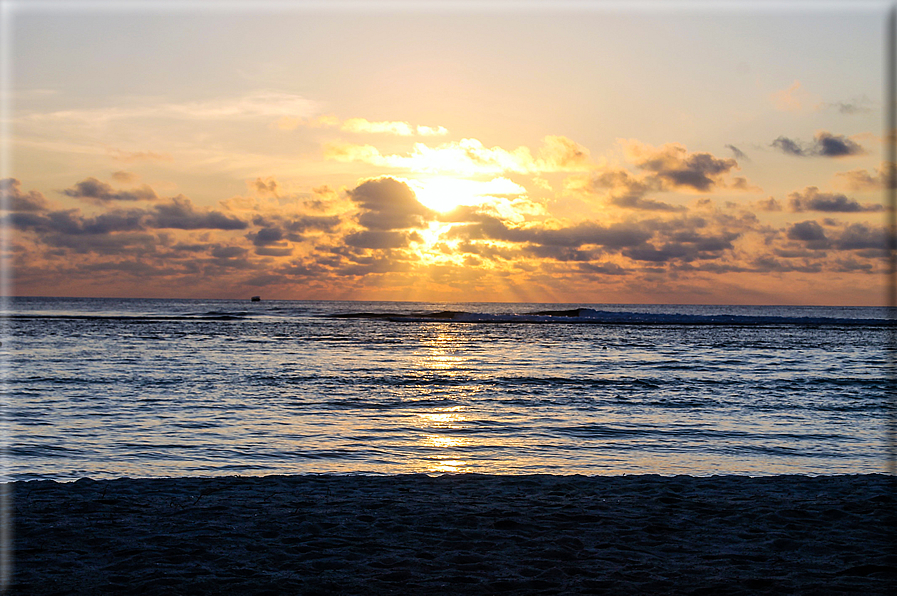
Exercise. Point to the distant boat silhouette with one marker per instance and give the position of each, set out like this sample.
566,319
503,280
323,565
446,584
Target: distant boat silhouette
256,298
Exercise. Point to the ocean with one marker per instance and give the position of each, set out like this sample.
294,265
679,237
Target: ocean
108,388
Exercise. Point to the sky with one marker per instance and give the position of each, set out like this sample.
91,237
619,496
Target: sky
588,152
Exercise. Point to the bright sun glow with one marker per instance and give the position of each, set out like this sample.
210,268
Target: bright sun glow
444,194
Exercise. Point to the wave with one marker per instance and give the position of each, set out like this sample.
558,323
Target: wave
603,317
204,316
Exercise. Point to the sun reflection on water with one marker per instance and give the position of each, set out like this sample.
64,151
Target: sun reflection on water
442,355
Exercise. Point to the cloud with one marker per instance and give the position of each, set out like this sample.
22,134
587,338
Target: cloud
124,177
559,154
16,200
623,189
859,105
469,157
304,223
825,144
813,200
768,204
267,186
861,179
678,169
97,192
132,156
738,153
277,106
810,233
602,269
228,252
347,152
266,104
274,251
360,125
786,145
275,231
389,204
791,99
586,233
429,131
829,145
859,236
684,244
179,213
378,239
267,236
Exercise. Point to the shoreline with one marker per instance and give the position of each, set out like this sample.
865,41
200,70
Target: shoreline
457,534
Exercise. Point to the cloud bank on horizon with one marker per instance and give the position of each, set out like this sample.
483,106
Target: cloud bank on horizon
374,184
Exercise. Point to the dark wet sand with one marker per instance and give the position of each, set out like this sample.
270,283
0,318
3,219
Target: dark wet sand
457,534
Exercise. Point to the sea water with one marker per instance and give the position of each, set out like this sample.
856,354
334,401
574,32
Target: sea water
107,388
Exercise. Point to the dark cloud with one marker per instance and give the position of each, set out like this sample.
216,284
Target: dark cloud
706,244
710,266
229,252
277,229
139,244
562,253
582,234
810,233
829,145
270,242
602,268
274,251
677,168
813,200
16,200
373,265
651,253
849,265
685,245
389,205
266,236
180,214
641,203
627,191
767,264
193,248
72,223
741,183
786,145
738,153
793,254
378,239
302,269
322,223
768,204
825,144
862,237
95,191
485,250
131,267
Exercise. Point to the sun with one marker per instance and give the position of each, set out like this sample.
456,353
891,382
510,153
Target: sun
444,194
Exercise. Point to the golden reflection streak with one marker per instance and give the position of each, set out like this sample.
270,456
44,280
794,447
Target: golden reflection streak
441,356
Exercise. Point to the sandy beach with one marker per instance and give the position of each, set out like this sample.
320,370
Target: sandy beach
457,534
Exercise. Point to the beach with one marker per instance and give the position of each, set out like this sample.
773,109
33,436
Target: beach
456,534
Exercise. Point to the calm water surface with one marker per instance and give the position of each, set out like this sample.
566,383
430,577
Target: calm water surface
109,388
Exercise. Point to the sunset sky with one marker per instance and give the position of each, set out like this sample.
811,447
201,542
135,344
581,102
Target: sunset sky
713,153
